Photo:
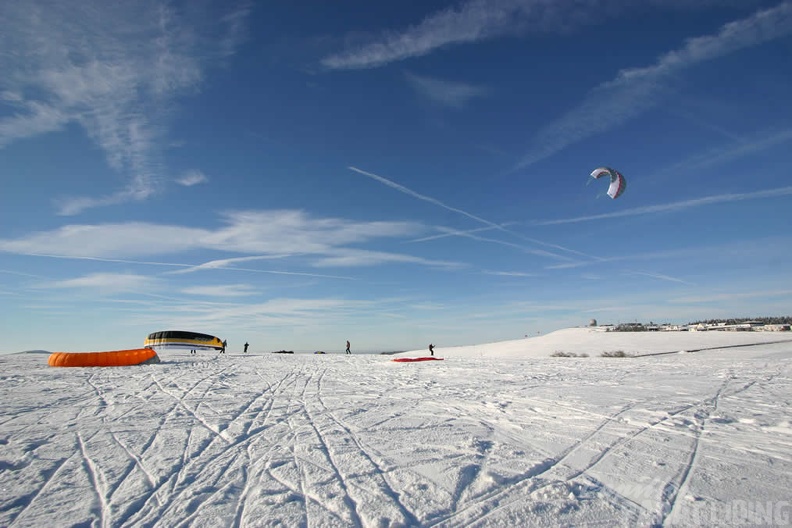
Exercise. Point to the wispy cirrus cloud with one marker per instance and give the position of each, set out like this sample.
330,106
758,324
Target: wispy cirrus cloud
731,152
257,235
222,290
453,94
660,276
688,262
471,21
106,283
479,20
268,233
359,257
112,68
520,274
635,90
138,188
279,312
227,263
675,206
35,119
183,267
21,274
133,239
729,296
297,232
232,264
193,177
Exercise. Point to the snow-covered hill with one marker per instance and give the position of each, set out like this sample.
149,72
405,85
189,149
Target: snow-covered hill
495,435
595,341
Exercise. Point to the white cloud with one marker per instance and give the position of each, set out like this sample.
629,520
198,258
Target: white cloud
227,263
224,290
478,20
660,276
509,273
139,188
270,233
635,90
111,67
193,177
230,264
472,21
108,240
360,257
296,232
107,283
280,312
258,235
447,93
36,118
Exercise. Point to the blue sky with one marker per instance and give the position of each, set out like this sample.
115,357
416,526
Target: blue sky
392,173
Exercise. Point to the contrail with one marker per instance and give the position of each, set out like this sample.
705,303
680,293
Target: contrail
410,192
190,267
429,199
447,232
539,252
674,206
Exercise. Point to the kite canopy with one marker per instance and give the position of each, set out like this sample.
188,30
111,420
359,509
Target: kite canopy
115,358
617,182
180,338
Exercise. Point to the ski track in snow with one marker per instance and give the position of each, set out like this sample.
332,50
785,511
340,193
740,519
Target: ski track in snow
90,468
359,441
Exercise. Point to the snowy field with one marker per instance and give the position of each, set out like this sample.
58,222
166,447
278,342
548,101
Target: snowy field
494,435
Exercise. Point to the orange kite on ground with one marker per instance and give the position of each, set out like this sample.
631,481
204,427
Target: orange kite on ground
115,358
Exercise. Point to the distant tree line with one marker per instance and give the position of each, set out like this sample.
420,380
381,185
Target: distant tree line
630,327
641,327
740,320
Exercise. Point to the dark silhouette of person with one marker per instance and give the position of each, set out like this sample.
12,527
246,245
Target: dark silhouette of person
246,347
431,349
225,344
347,348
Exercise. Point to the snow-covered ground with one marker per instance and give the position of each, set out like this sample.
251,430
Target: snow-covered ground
494,435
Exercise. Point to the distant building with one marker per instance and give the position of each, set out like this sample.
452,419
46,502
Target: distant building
775,328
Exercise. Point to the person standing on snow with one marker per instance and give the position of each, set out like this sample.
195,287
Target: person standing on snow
225,344
431,349
347,348
246,347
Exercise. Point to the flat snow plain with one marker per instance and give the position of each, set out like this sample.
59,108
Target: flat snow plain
495,435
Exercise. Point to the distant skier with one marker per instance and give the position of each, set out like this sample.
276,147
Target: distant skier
225,344
431,349
246,347
347,348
